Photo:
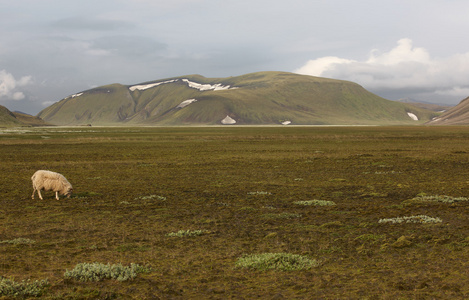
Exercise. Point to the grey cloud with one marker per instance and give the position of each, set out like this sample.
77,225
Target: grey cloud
72,46
94,24
129,46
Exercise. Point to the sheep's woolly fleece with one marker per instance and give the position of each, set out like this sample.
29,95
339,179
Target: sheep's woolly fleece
50,181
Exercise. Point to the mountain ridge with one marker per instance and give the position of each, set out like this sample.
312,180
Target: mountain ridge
457,115
261,98
18,119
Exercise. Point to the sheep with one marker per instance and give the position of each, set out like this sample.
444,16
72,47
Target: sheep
51,181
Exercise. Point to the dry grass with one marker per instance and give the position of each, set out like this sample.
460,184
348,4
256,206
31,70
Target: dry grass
136,186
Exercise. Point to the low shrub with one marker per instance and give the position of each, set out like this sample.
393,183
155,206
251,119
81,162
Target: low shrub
18,241
315,203
259,193
185,233
412,219
150,197
22,289
99,271
439,198
277,261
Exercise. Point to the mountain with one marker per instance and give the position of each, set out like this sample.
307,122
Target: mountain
29,120
261,98
458,115
18,119
7,118
427,105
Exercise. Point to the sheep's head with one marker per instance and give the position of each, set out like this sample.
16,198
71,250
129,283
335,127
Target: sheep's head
69,192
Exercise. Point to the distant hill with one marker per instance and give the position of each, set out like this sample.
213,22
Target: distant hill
7,118
17,119
262,98
427,105
29,120
458,115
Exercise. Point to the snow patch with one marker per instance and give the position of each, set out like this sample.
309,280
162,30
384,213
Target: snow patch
228,121
207,87
413,116
191,84
286,123
74,95
142,87
186,103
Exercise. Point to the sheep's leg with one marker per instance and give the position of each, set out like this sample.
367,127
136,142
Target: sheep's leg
39,193
57,195
34,191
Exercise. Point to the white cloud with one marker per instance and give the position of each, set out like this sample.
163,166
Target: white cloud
403,69
9,85
321,65
402,53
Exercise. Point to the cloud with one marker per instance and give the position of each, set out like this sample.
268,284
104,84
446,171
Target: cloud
402,53
403,70
95,24
8,85
128,46
322,65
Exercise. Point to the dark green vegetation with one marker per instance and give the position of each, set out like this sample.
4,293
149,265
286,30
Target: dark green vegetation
263,98
239,187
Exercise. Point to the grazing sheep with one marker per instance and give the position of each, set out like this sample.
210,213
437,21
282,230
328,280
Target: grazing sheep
51,181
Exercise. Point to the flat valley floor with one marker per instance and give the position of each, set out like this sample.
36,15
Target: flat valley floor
391,220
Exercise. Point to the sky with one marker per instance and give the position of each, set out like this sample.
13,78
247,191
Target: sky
50,49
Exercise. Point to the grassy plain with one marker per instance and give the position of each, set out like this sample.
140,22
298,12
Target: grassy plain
187,203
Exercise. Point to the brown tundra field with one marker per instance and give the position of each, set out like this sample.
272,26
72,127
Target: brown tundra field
237,213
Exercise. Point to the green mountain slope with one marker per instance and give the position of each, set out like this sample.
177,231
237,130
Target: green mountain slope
261,98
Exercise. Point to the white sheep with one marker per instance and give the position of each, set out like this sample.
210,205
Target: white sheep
51,181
